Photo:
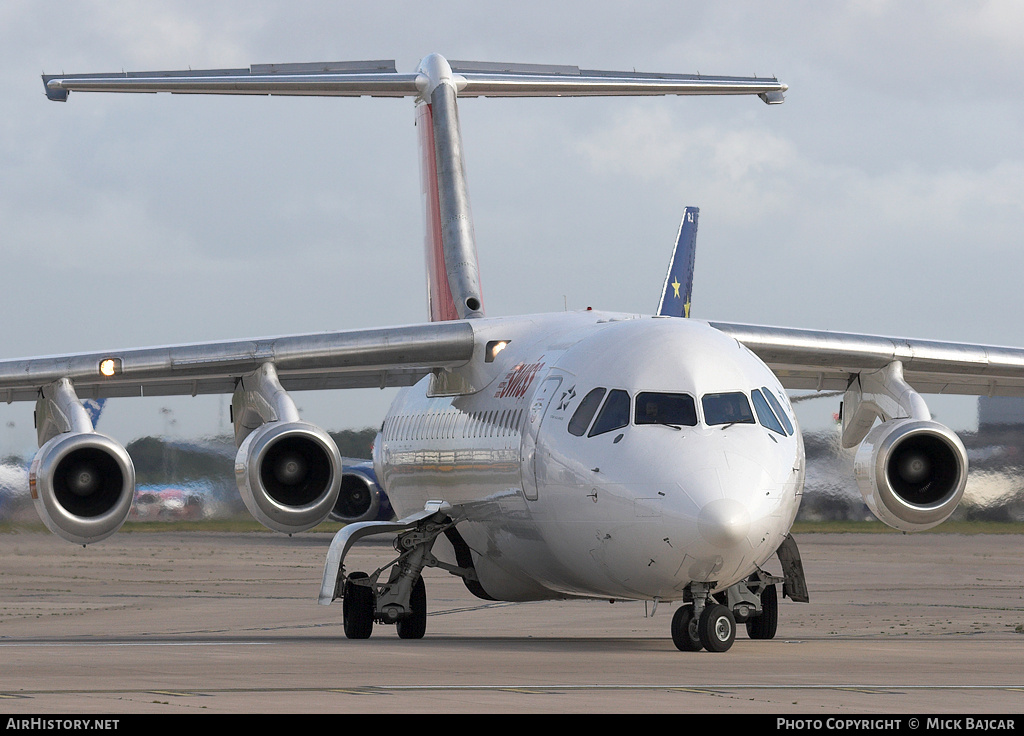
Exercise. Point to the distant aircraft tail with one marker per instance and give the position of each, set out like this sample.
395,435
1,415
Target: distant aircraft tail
675,296
94,407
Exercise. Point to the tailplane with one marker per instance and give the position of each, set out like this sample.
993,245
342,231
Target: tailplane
436,85
675,296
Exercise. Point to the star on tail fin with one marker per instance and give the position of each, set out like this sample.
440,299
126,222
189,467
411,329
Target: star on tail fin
675,296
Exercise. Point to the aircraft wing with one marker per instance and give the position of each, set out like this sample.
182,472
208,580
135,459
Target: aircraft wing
395,356
824,360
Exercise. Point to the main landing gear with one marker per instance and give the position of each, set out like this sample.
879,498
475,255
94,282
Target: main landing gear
401,599
360,611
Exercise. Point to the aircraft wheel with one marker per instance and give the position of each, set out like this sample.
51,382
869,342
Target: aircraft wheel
415,625
717,628
765,625
357,608
684,630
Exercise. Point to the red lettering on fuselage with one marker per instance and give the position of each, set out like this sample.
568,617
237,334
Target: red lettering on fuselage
518,380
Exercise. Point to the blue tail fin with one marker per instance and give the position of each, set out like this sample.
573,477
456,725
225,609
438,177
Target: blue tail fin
675,297
95,408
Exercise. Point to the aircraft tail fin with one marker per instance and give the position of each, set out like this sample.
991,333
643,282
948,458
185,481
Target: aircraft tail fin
94,407
675,295
453,278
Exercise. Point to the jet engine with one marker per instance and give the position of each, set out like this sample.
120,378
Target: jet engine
911,473
361,498
82,484
288,474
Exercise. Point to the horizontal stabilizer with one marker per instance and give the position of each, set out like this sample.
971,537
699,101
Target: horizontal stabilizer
380,79
675,295
330,78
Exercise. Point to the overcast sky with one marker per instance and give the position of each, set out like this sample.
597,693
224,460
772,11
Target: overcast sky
885,196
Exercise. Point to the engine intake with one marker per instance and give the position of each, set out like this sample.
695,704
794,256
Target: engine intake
911,473
288,475
361,498
82,486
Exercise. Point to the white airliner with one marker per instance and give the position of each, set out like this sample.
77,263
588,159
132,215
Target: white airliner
570,455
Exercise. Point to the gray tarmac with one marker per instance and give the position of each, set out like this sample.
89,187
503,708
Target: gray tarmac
217,622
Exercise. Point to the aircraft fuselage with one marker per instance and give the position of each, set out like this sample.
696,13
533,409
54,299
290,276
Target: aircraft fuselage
653,485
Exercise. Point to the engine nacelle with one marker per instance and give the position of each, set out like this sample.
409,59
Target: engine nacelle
288,474
82,485
911,473
361,498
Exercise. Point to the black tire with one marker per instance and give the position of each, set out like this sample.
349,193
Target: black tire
357,608
684,630
717,628
414,626
766,624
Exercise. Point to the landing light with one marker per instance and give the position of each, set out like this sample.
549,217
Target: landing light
493,348
110,367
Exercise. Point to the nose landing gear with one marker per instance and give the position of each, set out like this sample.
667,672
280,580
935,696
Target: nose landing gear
709,622
714,628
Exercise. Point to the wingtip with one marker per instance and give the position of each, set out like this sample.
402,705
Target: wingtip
775,97
54,89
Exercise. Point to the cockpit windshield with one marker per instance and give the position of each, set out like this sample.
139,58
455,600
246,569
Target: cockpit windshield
614,414
765,413
672,409
727,408
585,412
779,411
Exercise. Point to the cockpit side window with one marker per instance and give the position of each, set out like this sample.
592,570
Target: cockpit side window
727,408
658,408
765,415
779,411
585,412
614,414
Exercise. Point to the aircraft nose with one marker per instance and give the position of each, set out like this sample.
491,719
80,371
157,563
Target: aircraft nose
724,522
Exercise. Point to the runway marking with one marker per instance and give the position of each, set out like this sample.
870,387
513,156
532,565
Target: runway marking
30,644
482,607
528,689
180,693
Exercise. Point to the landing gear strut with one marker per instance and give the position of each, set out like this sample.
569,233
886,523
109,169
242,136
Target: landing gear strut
402,598
709,621
714,628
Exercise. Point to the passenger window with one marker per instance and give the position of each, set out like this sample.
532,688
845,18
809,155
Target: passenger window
585,412
727,408
779,411
765,415
614,414
657,408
